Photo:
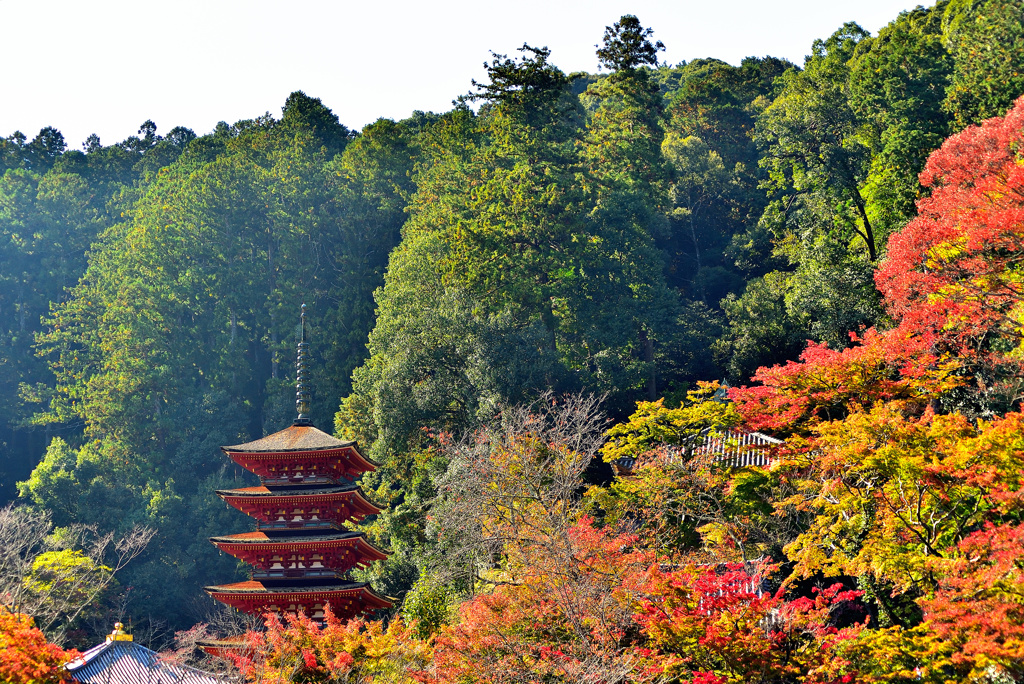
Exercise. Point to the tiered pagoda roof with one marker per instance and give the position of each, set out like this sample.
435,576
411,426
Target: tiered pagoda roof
337,551
300,453
301,549
334,504
258,596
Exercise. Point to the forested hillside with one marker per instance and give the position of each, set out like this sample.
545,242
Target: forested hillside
622,235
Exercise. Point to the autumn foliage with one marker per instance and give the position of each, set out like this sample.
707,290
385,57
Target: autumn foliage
977,607
955,269
722,625
884,543
827,385
25,655
906,474
299,649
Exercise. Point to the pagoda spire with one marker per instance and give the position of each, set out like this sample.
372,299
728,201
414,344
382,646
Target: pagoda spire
302,397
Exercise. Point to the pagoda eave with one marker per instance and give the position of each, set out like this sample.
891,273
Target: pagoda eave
253,596
335,463
301,437
350,550
259,504
225,648
365,548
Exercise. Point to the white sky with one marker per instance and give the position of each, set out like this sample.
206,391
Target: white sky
108,65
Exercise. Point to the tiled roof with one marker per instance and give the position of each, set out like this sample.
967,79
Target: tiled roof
287,491
257,587
264,538
732,447
739,449
125,662
294,438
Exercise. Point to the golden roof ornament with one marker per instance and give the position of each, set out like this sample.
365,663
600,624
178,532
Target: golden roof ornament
119,634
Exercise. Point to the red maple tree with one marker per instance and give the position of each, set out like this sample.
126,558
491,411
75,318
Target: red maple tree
955,269
826,384
25,655
978,607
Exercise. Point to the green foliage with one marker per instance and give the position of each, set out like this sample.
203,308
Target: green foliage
624,234
844,142
717,104
761,330
59,575
897,84
53,484
427,607
813,152
653,424
986,39
627,45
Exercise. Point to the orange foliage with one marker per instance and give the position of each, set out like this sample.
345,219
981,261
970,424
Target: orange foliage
978,608
828,385
955,269
567,621
25,655
300,649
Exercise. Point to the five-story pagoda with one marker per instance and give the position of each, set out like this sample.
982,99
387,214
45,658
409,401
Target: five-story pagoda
301,550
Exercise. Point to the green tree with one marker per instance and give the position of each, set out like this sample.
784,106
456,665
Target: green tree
179,336
986,39
761,331
626,174
897,83
716,218
812,148
844,141
627,45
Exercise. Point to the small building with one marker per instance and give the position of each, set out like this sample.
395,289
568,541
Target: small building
119,660
739,449
733,448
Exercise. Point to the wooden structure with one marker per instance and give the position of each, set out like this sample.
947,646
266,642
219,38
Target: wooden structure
301,550
733,448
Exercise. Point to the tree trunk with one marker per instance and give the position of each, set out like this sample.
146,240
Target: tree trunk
868,234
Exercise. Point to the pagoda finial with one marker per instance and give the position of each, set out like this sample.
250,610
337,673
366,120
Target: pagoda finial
302,398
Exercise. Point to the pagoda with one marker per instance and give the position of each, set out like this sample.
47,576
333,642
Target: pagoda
301,550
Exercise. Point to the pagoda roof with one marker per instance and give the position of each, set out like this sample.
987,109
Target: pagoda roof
249,545
292,438
257,493
258,501
301,537
220,648
291,491
261,537
256,588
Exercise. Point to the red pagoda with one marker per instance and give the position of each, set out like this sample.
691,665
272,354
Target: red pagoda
301,550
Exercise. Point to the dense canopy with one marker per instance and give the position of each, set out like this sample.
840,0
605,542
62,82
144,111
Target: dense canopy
542,313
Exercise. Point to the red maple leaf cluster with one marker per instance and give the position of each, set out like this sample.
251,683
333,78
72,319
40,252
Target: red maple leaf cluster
25,655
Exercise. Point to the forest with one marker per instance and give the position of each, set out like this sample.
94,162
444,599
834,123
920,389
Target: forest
531,310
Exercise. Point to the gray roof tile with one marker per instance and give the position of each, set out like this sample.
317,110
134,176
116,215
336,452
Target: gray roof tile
125,662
